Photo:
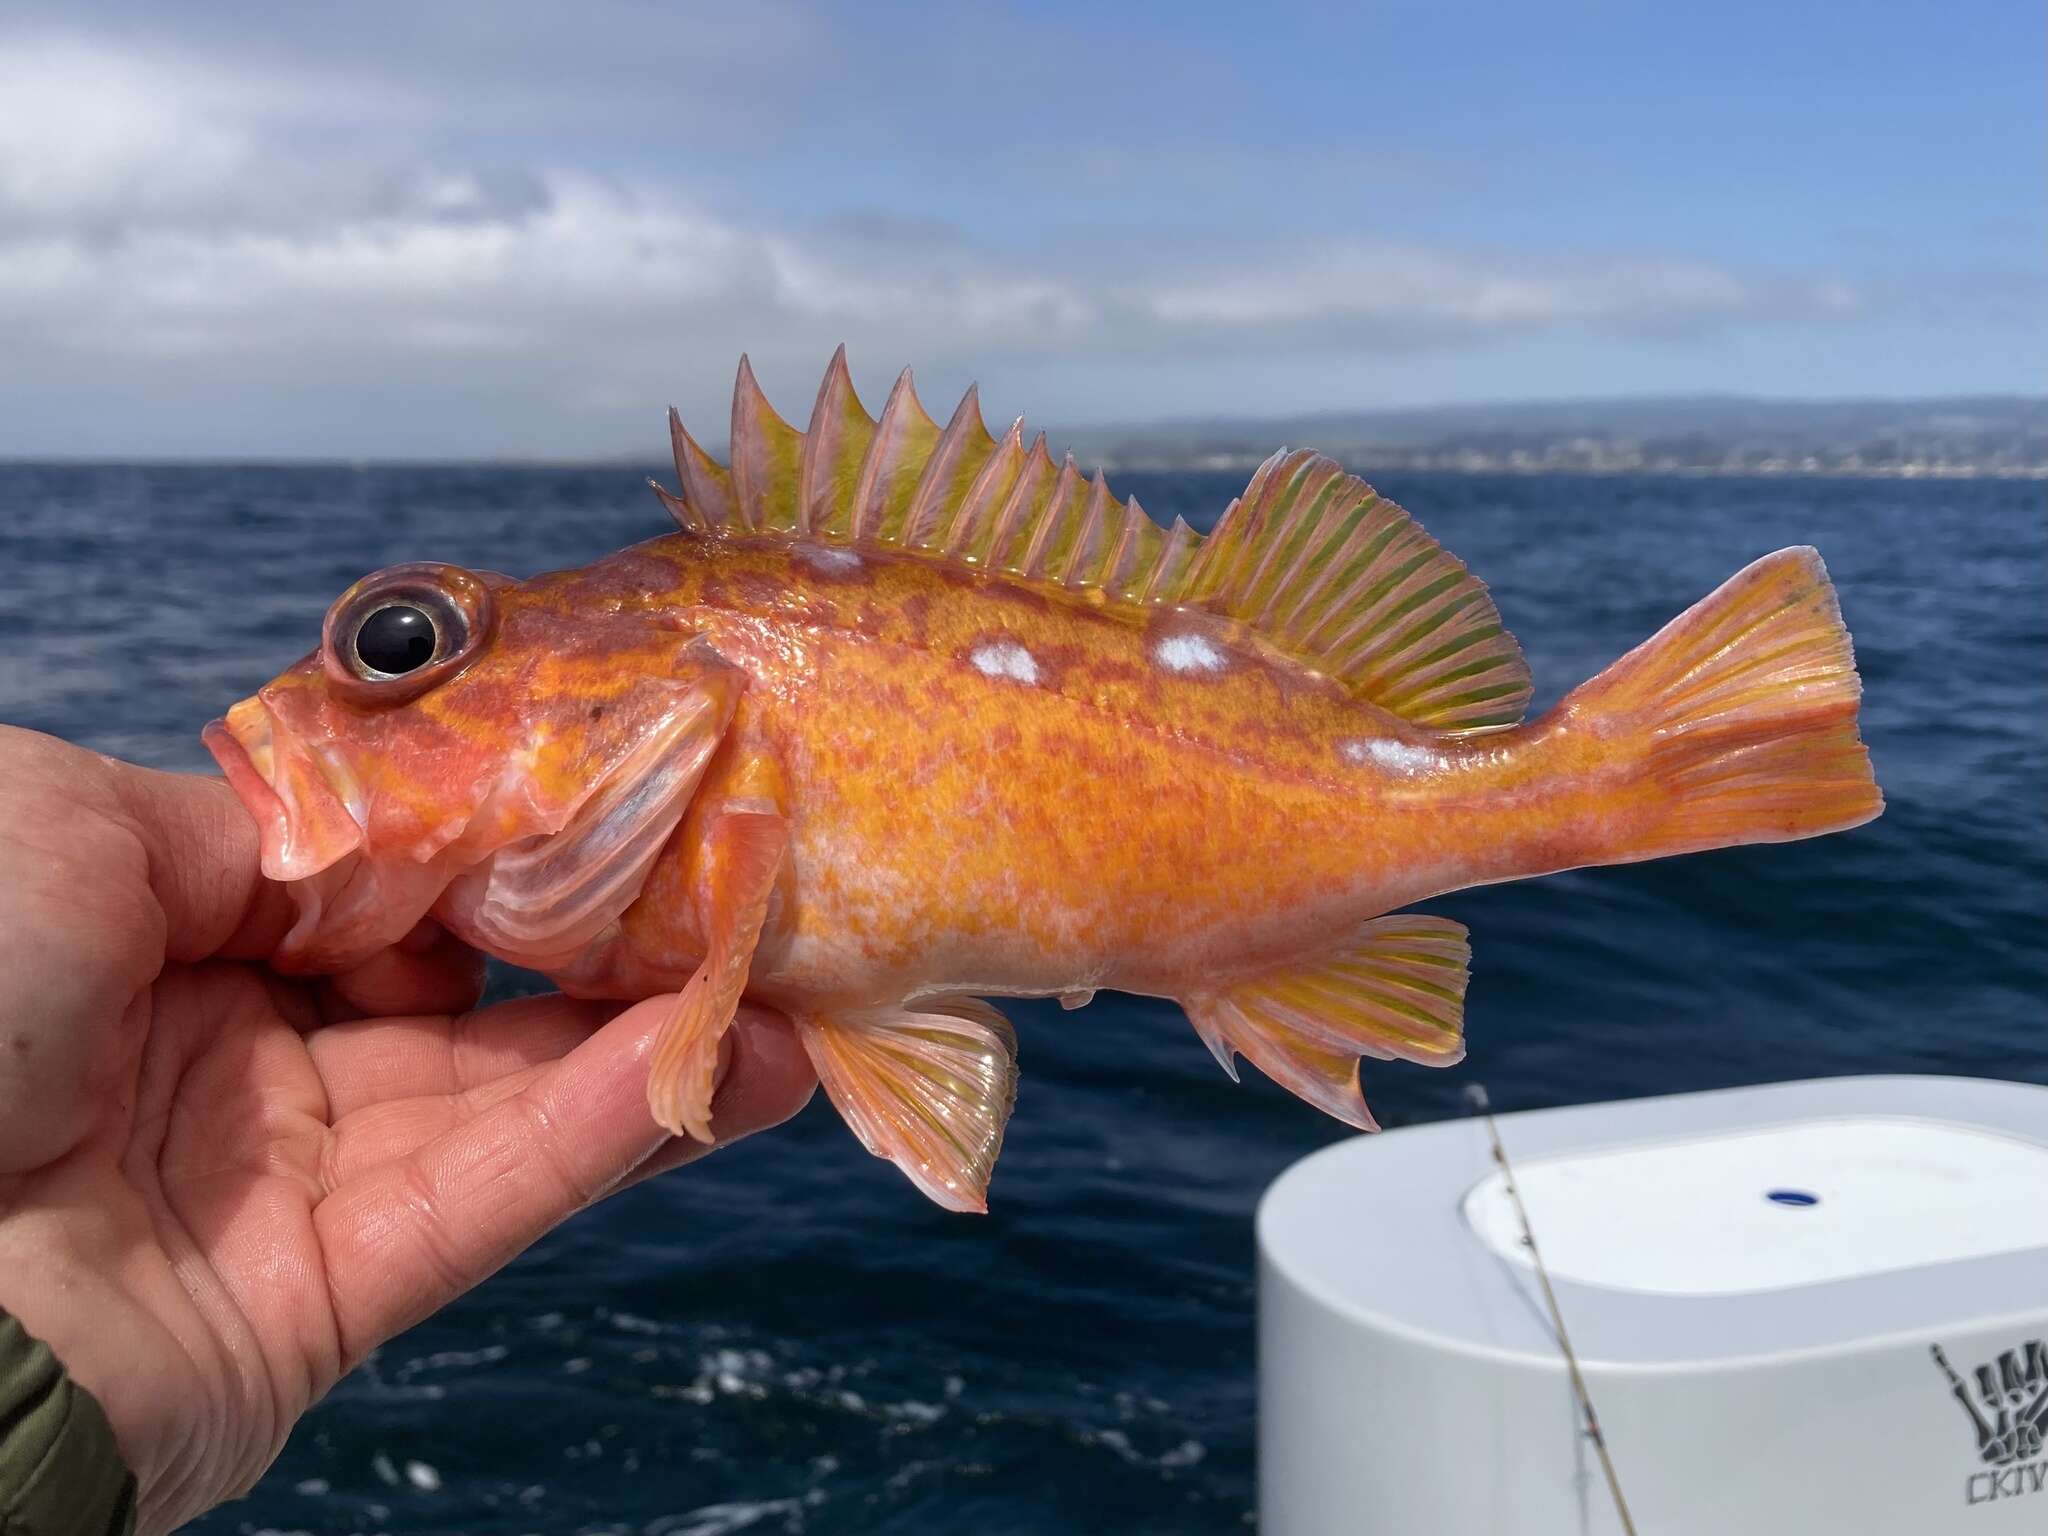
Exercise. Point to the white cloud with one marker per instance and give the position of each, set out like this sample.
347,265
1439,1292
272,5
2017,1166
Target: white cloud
173,226
88,137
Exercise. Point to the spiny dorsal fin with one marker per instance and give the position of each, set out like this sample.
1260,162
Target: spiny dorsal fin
1313,559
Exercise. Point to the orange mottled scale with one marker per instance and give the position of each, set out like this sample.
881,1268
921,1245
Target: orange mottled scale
999,790
909,717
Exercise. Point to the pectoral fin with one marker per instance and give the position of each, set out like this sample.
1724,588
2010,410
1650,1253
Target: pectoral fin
739,854
1396,990
540,901
928,1086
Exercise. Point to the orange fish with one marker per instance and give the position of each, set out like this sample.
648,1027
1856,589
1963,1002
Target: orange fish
905,717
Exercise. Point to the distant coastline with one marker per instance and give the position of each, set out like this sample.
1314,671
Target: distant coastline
1975,437
1465,462
1991,437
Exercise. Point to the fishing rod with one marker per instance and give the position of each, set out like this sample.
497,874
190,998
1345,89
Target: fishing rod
1475,1094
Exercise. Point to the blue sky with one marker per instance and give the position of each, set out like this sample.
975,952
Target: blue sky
477,229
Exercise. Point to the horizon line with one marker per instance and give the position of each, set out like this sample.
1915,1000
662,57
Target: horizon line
635,457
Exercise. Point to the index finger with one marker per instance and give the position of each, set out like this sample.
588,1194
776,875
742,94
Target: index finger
408,1236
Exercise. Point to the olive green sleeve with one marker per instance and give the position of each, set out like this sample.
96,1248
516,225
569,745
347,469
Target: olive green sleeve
60,1472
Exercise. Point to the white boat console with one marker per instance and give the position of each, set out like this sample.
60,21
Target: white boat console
1800,1309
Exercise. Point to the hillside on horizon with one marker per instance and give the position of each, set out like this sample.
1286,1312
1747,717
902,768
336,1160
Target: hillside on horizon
1987,435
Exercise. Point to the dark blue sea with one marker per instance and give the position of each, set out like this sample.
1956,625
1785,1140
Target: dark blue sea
786,1338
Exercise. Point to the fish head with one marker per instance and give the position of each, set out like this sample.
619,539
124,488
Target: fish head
464,744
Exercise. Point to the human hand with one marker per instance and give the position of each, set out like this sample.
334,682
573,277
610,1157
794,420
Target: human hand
2015,1396
2010,1412
220,1188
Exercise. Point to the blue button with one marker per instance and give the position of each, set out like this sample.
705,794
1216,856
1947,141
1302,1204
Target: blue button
1791,1197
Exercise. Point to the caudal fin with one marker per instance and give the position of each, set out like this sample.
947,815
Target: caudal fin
1746,705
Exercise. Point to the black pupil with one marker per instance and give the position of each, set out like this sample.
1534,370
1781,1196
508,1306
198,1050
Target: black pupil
396,639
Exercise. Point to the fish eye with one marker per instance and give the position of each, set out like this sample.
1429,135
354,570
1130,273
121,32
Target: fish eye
395,634
397,638
397,630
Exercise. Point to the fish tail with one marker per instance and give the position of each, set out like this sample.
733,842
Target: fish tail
1743,713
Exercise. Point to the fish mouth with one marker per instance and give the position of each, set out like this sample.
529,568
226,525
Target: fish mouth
303,818
349,906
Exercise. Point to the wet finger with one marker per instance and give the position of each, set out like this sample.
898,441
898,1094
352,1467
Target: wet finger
428,971
373,1060
410,1235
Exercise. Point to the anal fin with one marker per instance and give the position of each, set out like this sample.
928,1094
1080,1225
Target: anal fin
1395,991
928,1086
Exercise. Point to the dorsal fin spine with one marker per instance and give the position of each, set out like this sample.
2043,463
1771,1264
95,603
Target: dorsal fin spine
949,475
1011,539
1167,582
835,444
705,486
1137,550
676,508
895,458
976,525
1079,563
767,459
1048,520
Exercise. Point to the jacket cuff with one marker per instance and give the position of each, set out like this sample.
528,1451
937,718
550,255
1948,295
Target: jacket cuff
61,1474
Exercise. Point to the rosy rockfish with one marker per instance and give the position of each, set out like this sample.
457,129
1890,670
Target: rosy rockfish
905,717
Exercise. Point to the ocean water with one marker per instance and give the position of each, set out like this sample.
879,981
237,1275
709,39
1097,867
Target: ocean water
786,1338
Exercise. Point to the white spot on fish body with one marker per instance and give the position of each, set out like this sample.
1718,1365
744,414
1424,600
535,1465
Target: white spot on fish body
1004,658
1189,653
829,558
1385,752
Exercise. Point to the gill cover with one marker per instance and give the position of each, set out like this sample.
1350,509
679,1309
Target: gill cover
477,748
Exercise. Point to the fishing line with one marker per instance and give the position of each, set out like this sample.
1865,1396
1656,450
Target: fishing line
1475,1095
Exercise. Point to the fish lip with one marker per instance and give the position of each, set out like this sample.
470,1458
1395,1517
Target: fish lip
250,787
302,829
